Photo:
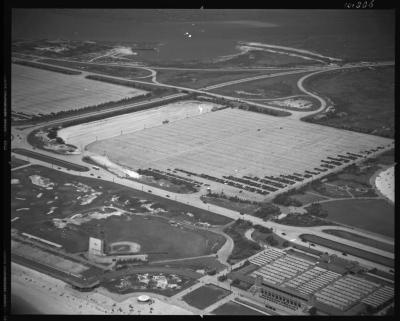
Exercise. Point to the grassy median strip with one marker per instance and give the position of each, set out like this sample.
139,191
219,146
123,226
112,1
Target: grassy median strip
47,67
361,239
51,160
348,249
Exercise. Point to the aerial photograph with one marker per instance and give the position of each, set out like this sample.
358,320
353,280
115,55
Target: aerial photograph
202,162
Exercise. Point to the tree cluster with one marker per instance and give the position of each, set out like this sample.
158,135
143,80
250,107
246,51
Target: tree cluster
316,209
47,67
285,200
267,210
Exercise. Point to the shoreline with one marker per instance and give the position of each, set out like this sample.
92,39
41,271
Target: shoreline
374,177
48,295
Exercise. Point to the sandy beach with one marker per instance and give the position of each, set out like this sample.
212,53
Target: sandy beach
52,296
384,182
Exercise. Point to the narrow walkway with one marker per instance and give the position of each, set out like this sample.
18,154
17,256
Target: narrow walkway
346,199
185,259
19,167
224,300
186,291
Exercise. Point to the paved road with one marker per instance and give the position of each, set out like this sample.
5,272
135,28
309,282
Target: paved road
19,167
102,112
50,159
292,233
143,66
186,89
295,115
238,81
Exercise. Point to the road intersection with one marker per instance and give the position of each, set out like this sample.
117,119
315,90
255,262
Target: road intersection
290,233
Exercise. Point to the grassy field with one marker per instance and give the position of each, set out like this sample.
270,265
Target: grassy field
386,158
307,197
36,207
352,181
123,72
294,219
37,91
276,87
69,48
235,206
46,258
365,96
277,241
361,239
243,247
348,249
47,67
233,308
16,162
205,296
295,103
51,160
156,235
329,190
264,58
303,255
249,60
373,215
200,79
225,142
206,263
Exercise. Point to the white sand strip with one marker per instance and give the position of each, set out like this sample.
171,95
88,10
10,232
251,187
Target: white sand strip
385,183
52,296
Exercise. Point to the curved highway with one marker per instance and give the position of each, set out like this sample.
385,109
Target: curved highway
291,233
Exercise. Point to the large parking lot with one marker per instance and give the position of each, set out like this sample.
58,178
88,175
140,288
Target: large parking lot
234,142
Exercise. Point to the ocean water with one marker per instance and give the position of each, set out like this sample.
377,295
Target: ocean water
21,306
345,34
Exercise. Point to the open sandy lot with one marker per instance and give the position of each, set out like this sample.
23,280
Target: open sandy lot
40,91
234,142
